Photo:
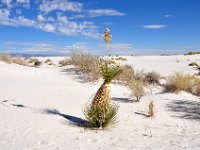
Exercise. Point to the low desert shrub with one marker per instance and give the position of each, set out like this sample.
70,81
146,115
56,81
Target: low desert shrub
180,82
20,61
47,61
152,78
92,114
121,58
5,58
127,74
192,53
37,63
32,60
137,89
193,64
64,62
88,63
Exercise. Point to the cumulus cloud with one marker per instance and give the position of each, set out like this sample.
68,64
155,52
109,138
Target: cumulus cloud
62,5
12,14
104,12
15,3
155,26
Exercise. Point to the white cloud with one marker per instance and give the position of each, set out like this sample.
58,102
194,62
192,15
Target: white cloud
24,3
168,16
104,12
14,3
118,46
62,5
7,3
154,26
79,16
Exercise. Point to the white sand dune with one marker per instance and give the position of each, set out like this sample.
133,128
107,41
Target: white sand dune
41,107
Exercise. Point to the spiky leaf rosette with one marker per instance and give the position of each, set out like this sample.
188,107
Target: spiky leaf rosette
92,114
109,72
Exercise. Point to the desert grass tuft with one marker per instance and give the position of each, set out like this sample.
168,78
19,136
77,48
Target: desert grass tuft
20,61
92,114
182,82
193,64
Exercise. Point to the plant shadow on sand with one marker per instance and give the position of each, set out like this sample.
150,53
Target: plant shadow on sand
72,119
77,74
185,109
122,100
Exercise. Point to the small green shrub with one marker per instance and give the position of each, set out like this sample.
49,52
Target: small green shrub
5,58
92,115
152,78
137,89
121,58
32,60
193,64
192,53
47,61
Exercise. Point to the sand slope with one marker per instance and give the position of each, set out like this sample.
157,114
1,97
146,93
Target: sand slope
40,109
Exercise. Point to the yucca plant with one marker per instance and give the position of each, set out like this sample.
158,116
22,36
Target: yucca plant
101,112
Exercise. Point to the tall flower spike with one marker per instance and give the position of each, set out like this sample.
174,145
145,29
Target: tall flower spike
107,36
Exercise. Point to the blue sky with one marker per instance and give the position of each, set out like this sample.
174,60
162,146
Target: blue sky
137,26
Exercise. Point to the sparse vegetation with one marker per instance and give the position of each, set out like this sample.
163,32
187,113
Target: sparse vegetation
37,63
152,78
101,112
92,115
20,61
5,58
127,75
192,53
9,59
151,112
64,62
180,82
88,63
193,64
32,60
121,58
137,89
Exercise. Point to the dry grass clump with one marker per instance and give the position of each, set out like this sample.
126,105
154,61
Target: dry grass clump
152,78
127,75
64,62
20,61
5,58
137,89
193,64
88,63
92,115
9,59
180,82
